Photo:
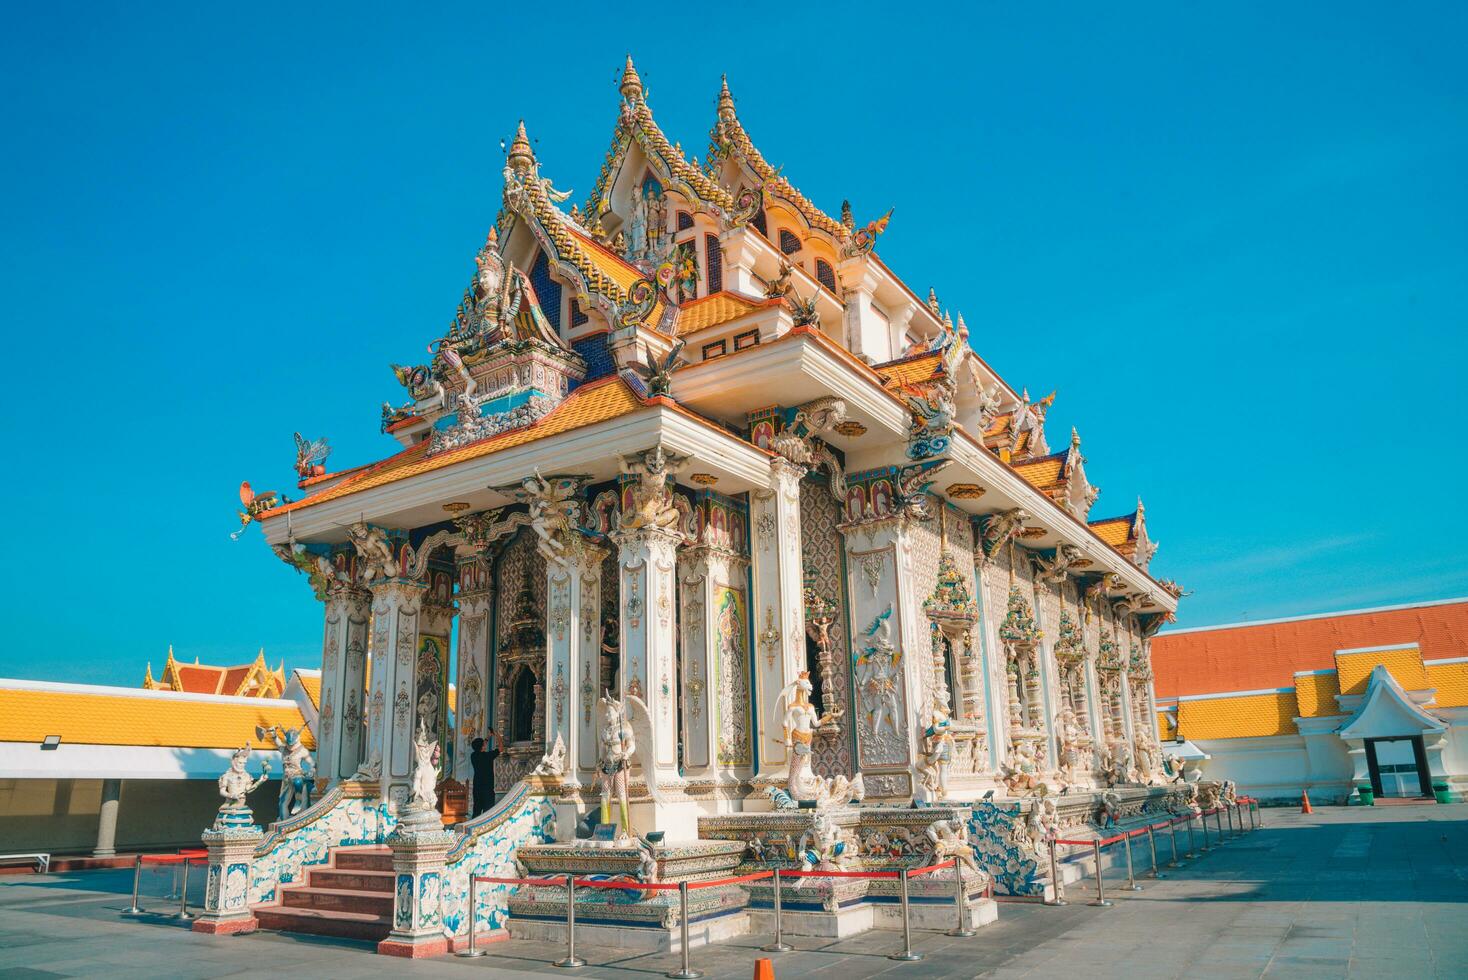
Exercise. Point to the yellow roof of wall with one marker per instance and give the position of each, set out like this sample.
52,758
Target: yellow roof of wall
1316,694
1044,473
1240,716
1164,726
1115,531
1451,681
1404,665
158,719
911,370
716,309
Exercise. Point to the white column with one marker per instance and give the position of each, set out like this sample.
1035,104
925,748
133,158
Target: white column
779,612
343,670
715,662
396,607
107,819
648,558
472,678
572,608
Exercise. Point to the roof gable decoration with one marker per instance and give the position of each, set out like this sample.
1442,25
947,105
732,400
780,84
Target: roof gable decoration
1077,495
1145,547
1387,711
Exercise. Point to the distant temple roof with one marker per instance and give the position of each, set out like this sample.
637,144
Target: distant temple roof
251,680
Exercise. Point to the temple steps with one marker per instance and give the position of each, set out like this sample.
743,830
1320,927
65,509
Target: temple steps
349,897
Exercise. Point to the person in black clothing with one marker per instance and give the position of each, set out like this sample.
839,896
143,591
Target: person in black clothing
482,760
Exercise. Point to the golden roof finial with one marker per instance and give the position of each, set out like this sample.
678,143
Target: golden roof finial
148,682
726,101
631,83
962,327
521,158
1075,438
933,300
846,218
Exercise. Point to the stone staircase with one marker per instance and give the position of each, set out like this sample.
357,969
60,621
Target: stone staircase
349,897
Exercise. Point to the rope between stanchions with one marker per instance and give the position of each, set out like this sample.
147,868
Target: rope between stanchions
694,885
792,873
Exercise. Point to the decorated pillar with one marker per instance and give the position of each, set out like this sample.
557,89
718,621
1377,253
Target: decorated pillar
573,649
396,608
779,611
420,846
472,678
343,677
715,675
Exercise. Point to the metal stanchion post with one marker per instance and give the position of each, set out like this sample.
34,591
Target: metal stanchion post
1131,879
1203,822
779,945
1253,813
572,961
1192,842
473,949
135,908
1260,812
1218,822
1152,844
960,900
1058,885
183,895
907,955
1172,837
687,973
1100,900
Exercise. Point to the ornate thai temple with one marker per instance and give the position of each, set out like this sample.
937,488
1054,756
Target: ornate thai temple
697,503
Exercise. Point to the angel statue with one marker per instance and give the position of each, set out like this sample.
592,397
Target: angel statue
424,792
798,723
296,770
311,456
554,511
234,784
623,723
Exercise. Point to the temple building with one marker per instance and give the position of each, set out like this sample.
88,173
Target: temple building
252,680
1325,703
689,450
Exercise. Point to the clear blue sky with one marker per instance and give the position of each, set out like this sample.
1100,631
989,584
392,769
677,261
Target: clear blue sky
1233,237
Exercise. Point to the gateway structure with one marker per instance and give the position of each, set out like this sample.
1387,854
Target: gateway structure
693,447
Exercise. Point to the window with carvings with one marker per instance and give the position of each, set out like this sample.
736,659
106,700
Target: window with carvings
716,349
522,707
825,275
789,243
747,339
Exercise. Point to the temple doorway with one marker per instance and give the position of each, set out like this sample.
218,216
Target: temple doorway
1398,766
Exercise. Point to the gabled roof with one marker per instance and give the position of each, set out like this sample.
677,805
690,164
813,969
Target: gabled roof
596,401
1127,534
1387,711
729,138
906,371
254,679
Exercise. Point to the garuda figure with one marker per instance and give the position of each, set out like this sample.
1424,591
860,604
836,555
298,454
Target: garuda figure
296,770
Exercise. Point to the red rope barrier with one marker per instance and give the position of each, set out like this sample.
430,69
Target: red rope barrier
792,873
933,867
167,858
731,881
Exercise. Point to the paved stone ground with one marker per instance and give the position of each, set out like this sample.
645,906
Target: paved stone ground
1379,892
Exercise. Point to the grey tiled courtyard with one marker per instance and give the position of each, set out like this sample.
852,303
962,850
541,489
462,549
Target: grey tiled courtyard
1377,892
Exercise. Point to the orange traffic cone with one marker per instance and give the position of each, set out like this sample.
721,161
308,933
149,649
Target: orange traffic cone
1305,802
764,970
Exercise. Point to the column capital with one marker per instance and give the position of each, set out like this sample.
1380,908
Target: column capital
406,595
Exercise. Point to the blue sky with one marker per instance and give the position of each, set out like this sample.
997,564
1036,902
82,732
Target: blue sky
1232,238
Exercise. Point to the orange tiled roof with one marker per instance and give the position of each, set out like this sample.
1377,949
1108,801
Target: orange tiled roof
911,370
1251,657
253,679
311,684
1046,474
597,401
1115,531
155,718
1353,670
1315,694
716,309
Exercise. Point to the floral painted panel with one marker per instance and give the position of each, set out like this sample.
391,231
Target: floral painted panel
486,848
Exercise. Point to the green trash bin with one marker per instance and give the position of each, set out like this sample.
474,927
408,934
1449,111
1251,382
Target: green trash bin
1368,796
1441,793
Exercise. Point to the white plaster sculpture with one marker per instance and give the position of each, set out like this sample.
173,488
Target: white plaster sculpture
424,794
652,503
876,676
553,764
938,749
798,723
949,838
1021,774
234,785
824,847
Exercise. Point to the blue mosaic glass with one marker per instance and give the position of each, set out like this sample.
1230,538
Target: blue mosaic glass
547,290
577,316
598,358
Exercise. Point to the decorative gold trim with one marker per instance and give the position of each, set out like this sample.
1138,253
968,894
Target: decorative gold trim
965,491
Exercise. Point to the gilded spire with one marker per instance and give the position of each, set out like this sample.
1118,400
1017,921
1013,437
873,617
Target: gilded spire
933,300
846,219
521,158
631,83
962,328
726,101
